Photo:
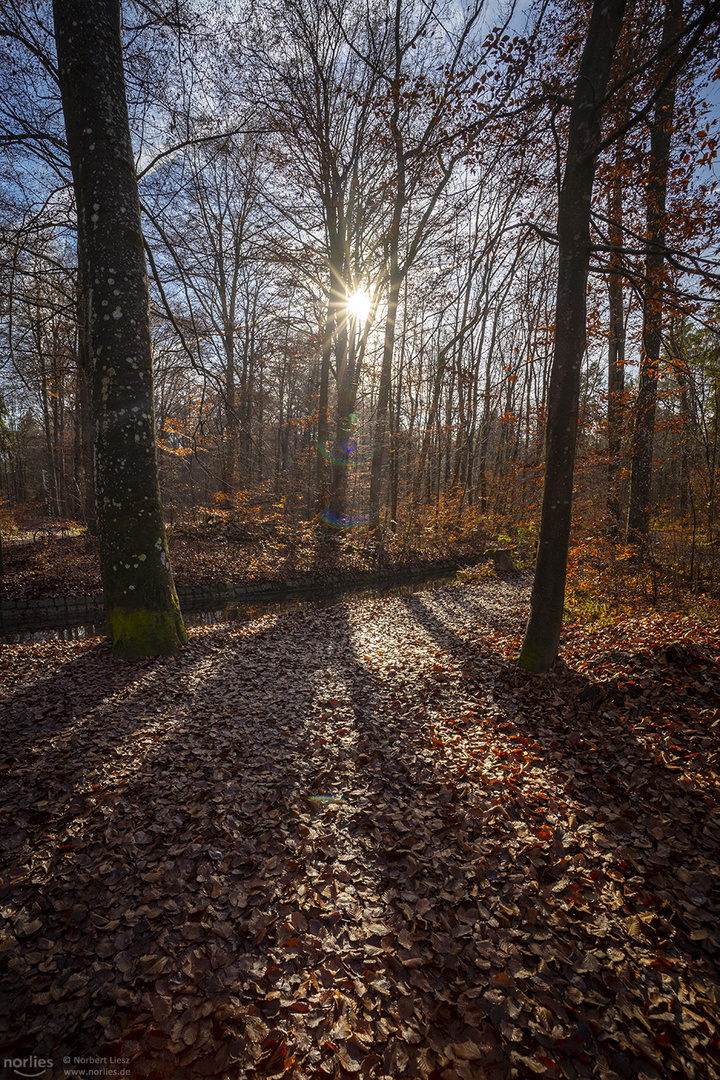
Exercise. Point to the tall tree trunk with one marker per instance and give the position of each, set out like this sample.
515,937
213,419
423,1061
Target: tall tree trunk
246,396
682,377
323,428
638,526
428,432
140,599
395,434
344,426
542,636
83,394
229,458
346,387
51,489
394,283
381,415
57,394
616,345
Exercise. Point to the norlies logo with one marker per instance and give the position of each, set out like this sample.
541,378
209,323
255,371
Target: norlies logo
29,1066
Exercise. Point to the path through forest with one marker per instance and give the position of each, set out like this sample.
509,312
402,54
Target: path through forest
357,841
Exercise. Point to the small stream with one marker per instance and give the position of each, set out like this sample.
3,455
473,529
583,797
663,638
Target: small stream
243,611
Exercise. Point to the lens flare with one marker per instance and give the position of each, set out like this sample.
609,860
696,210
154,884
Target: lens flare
359,304
345,452
345,522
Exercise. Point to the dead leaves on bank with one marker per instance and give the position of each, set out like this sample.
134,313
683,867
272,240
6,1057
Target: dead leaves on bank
359,842
69,566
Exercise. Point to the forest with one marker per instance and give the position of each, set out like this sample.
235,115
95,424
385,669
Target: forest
324,291
350,221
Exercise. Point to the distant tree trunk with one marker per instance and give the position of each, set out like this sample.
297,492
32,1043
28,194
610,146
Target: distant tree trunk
247,376
684,455
229,456
227,287
323,428
51,489
682,377
616,346
345,370
344,427
542,636
84,397
381,415
395,435
394,283
428,433
140,600
638,526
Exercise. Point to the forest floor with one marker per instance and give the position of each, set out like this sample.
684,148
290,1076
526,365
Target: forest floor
357,841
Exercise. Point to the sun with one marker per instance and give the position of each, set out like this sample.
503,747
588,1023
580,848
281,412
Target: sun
359,304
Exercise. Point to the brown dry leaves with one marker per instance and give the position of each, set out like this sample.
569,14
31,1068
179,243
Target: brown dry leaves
69,566
498,875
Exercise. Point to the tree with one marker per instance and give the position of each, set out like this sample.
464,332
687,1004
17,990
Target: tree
140,600
695,358
542,636
645,406
204,214
5,447
428,89
616,344
318,96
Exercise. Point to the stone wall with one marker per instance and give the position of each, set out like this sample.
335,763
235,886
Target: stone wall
57,611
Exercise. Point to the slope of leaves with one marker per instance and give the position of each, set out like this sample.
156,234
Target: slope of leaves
359,842
70,566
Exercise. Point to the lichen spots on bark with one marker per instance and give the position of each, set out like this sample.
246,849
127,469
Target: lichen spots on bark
140,598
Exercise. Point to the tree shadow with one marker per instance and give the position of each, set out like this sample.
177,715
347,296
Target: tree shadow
575,701
590,826
313,854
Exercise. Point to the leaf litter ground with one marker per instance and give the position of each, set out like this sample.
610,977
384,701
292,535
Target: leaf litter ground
358,841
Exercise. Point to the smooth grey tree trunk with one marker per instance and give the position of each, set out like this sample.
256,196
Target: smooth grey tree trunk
616,348
638,525
381,417
344,426
542,636
323,427
140,599
394,283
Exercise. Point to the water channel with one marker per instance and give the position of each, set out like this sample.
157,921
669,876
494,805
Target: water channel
254,607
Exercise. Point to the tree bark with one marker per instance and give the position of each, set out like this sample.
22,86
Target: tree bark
394,283
323,428
680,365
345,374
381,415
542,636
344,427
638,526
140,600
83,396
616,347
229,457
